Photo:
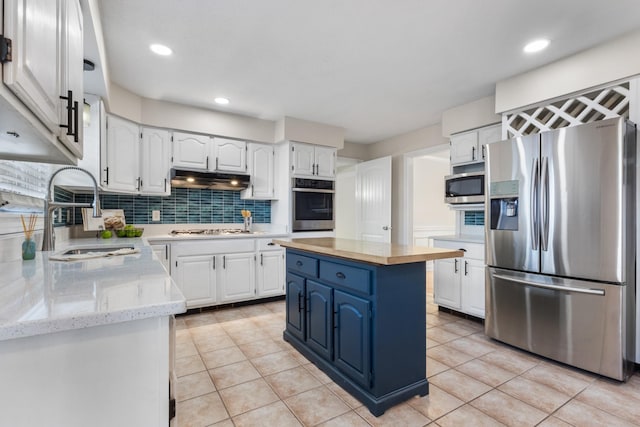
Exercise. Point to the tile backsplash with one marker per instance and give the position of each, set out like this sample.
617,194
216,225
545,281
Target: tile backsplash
184,205
474,218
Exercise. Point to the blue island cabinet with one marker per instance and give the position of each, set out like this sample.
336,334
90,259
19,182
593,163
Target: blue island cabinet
362,324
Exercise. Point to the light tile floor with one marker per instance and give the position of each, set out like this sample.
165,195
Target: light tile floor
234,369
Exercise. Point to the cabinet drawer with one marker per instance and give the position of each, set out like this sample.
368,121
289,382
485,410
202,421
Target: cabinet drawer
267,245
472,250
302,264
354,278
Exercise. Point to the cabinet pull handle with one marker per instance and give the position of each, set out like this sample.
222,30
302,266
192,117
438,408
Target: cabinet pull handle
271,244
69,125
165,185
455,265
473,153
300,302
76,121
214,262
483,153
106,181
166,252
299,263
340,275
224,262
261,259
216,163
466,269
207,163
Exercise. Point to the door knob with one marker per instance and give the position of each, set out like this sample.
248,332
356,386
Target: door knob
386,227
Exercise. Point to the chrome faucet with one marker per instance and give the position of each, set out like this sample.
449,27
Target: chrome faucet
49,238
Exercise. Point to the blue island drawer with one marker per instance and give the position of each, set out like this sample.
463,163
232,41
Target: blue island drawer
346,276
302,264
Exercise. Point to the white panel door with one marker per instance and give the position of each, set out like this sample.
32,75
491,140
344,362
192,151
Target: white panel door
446,283
123,150
230,155
155,162
472,287
191,151
373,200
325,159
464,148
302,159
271,273
33,73
261,165
237,277
195,275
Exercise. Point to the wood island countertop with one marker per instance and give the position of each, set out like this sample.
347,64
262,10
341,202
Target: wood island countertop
370,252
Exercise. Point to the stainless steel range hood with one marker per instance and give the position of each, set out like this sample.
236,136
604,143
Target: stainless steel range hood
212,180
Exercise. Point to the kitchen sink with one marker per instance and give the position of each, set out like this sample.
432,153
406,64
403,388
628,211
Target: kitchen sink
95,249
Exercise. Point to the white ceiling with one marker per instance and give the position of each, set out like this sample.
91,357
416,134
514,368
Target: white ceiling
378,68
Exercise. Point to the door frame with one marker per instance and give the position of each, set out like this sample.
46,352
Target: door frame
406,218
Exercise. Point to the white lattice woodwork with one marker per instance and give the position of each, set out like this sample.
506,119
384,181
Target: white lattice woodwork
586,108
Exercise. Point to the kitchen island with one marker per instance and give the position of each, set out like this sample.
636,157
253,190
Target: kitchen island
87,342
357,310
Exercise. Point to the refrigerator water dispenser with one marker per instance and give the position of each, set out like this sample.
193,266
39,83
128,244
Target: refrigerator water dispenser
504,213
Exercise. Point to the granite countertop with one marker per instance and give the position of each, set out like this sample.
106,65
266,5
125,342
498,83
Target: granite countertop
468,238
43,296
370,252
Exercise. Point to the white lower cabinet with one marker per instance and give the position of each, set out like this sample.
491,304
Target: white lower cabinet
210,272
161,250
237,277
270,269
459,282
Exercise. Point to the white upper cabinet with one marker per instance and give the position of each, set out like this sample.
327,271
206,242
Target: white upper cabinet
313,161
469,147
46,64
135,159
71,70
154,161
191,151
230,155
123,151
260,159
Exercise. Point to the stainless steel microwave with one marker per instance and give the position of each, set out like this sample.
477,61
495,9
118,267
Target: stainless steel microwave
464,188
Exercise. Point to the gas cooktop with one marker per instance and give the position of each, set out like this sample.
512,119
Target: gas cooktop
208,231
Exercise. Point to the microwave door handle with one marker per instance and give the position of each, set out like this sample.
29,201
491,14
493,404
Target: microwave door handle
544,210
534,224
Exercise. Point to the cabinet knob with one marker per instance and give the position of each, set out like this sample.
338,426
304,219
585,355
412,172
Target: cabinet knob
340,275
299,263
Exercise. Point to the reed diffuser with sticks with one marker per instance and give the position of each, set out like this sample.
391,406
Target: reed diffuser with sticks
29,245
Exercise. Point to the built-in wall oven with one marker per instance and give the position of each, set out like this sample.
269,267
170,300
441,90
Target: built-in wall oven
312,204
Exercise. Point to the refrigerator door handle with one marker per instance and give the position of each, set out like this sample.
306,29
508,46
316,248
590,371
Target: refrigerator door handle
534,225
544,211
552,287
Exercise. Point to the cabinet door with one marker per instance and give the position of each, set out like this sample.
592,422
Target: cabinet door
71,73
472,284
353,337
487,135
237,277
191,151
302,159
295,303
33,73
123,145
319,319
447,282
195,275
154,162
464,148
261,165
270,273
325,160
230,155
162,252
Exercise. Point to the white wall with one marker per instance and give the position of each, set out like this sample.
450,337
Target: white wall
292,129
345,206
600,65
429,209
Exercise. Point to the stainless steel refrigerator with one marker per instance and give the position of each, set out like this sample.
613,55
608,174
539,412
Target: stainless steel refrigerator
560,245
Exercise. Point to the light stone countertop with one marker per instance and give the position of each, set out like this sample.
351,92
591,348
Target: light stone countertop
467,238
370,252
43,296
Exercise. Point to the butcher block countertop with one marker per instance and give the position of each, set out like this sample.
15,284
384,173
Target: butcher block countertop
370,252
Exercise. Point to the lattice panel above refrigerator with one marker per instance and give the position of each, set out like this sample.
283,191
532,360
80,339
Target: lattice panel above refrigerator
586,108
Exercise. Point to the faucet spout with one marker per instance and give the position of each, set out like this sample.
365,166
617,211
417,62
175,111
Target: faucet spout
48,239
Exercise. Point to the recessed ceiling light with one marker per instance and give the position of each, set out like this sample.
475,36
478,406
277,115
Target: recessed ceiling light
220,100
536,46
160,49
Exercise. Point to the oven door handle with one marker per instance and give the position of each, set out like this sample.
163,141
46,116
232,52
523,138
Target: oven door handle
312,190
552,287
